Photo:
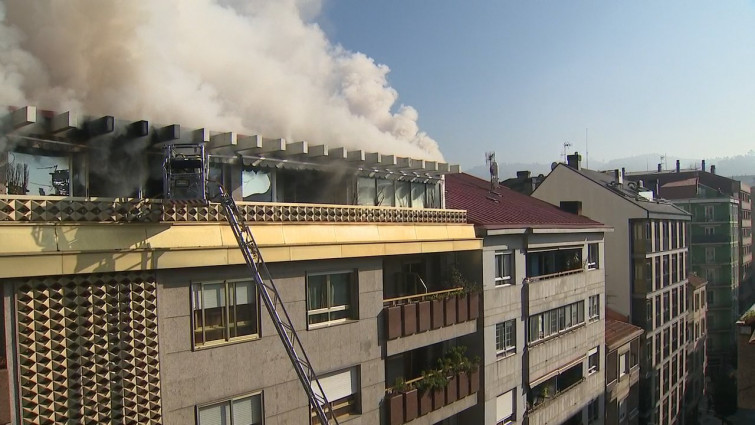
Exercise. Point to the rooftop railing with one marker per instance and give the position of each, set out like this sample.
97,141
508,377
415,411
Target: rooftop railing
25,208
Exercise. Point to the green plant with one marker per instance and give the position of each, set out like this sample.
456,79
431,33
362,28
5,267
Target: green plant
457,280
435,380
400,386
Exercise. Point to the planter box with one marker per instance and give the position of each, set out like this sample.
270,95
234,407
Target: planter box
449,305
396,409
451,394
474,305
439,398
462,308
474,380
424,316
411,405
393,322
463,379
436,308
425,402
409,316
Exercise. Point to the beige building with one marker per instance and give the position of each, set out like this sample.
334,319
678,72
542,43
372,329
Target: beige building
697,359
543,280
646,272
622,370
121,307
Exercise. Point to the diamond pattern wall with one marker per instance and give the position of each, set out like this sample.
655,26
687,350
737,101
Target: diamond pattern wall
87,349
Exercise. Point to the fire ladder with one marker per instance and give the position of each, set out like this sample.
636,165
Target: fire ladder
277,310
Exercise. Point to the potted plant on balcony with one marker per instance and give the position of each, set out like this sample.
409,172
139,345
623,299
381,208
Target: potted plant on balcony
411,402
473,292
474,374
447,368
424,388
396,402
437,383
393,322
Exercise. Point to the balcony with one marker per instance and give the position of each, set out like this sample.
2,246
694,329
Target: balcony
438,393
565,397
429,312
24,208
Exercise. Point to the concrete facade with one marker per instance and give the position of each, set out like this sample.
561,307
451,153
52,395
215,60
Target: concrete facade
646,277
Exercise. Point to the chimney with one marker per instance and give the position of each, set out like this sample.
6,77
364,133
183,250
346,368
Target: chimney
678,166
640,184
522,174
703,165
659,168
618,176
713,169
574,207
573,161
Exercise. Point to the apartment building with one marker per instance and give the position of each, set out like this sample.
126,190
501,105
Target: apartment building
122,307
720,247
622,370
543,277
697,360
746,370
646,272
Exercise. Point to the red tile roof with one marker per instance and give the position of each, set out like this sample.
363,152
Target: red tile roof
619,333
506,208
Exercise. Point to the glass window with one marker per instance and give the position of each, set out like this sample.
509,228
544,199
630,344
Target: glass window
593,256
224,311
503,268
386,193
239,411
418,195
366,191
41,174
623,364
594,308
329,298
593,411
593,361
505,337
403,194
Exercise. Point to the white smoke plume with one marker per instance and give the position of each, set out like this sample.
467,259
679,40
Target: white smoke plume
259,67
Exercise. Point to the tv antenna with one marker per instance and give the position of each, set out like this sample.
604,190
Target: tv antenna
490,161
567,145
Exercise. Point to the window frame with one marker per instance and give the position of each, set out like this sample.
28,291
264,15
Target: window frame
227,338
593,354
511,418
230,401
352,400
507,277
593,256
353,298
507,327
593,304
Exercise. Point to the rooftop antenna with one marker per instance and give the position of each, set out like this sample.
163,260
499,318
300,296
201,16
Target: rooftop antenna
567,145
663,161
490,161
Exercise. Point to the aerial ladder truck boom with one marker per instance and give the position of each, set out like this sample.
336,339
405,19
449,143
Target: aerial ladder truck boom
183,163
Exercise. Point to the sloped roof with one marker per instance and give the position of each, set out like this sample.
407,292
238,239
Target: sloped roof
623,190
696,281
619,333
506,208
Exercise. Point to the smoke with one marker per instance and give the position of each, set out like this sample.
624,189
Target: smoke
259,67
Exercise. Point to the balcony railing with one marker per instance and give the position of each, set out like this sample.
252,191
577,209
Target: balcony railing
717,238
25,208
405,316
552,275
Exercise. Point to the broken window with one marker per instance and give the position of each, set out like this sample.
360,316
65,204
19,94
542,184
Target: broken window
386,193
256,185
366,191
403,194
38,174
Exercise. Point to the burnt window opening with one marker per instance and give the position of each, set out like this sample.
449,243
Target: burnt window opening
257,184
37,172
312,187
543,263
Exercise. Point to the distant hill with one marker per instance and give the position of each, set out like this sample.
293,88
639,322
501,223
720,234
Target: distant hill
740,165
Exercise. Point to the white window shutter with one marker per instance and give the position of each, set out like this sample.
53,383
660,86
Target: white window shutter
339,385
504,405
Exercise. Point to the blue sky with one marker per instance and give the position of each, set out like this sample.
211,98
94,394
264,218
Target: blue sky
522,78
